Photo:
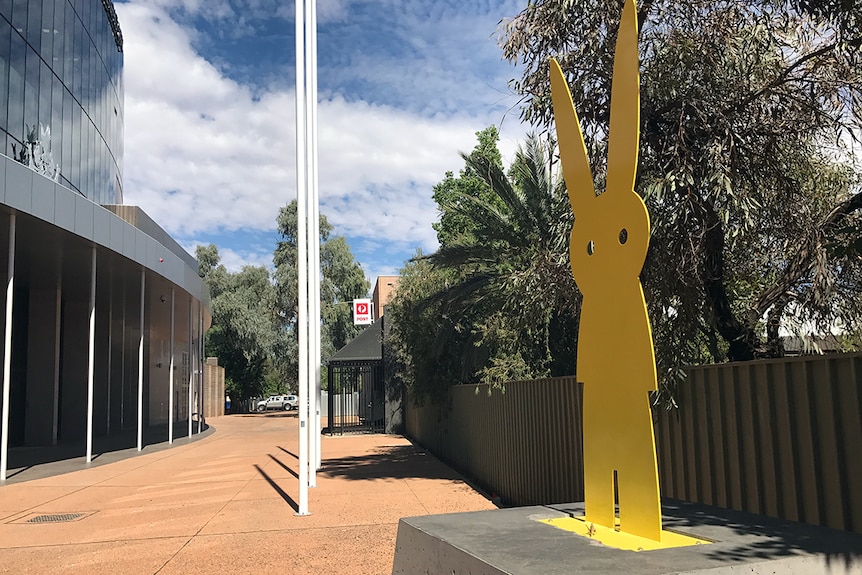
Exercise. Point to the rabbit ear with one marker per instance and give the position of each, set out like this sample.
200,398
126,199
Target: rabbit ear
573,152
624,131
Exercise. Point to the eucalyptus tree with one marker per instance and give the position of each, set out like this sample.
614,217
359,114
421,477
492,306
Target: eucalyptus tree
747,112
468,183
244,334
342,280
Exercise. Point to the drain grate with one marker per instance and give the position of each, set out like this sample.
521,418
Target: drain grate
57,518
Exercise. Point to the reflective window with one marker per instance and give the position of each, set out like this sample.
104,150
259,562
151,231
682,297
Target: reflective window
34,24
5,34
75,149
77,48
59,37
46,31
19,16
59,67
15,119
31,91
57,120
68,106
45,100
68,44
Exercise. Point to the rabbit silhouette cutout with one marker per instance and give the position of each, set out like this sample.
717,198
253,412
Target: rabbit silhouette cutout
616,362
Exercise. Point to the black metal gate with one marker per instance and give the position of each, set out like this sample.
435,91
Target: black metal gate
355,400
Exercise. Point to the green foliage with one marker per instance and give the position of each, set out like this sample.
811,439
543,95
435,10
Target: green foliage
423,344
497,301
469,184
244,332
254,312
342,281
745,108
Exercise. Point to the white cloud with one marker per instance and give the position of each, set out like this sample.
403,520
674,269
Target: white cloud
206,154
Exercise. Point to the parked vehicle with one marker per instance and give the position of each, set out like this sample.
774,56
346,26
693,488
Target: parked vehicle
285,402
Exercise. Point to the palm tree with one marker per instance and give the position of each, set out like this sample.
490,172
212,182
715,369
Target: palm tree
511,271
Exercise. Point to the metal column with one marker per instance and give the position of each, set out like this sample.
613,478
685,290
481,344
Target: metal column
141,367
171,377
90,356
191,364
7,351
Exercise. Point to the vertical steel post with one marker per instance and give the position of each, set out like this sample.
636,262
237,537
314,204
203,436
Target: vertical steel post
191,365
91,352
7,351
58,318
141,367
201,417
110,347
123,358
171,377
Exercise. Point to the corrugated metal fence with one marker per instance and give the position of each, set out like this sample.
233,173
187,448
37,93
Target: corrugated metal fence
777,437
523,445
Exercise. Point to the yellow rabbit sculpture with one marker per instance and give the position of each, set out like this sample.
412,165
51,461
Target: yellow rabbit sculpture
609,241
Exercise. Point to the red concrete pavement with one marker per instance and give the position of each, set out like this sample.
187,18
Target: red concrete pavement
225,504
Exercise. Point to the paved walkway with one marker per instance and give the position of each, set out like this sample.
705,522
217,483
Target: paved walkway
225,504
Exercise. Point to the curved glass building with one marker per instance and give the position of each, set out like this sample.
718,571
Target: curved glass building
61,67
104,312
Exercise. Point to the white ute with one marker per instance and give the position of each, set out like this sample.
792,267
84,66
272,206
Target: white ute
285,402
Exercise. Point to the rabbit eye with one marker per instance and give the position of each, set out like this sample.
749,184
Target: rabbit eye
624,236
591,247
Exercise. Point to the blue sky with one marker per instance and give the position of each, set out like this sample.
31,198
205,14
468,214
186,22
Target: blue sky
209,117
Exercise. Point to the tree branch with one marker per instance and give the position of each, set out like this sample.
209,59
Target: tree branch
803,259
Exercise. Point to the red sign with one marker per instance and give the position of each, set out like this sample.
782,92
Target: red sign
362,312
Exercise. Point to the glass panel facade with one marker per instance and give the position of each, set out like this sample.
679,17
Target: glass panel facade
60,67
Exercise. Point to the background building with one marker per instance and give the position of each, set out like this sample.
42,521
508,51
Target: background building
383,290
107,311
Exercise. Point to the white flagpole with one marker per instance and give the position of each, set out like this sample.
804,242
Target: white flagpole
313,243
315,191
302,257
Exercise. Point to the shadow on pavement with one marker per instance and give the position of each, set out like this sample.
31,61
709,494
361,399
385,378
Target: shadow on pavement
283,466
278,489
396,462
292,454
26,463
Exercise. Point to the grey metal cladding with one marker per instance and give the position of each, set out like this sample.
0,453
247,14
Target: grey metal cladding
117,230
153,255
64,208
56,204
84,209
3,181
129,238
102,226
42,198
141,247
19,183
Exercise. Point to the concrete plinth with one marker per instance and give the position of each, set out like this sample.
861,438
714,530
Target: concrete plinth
513,542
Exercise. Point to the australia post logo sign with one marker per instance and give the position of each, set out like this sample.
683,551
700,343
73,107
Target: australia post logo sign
362,312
